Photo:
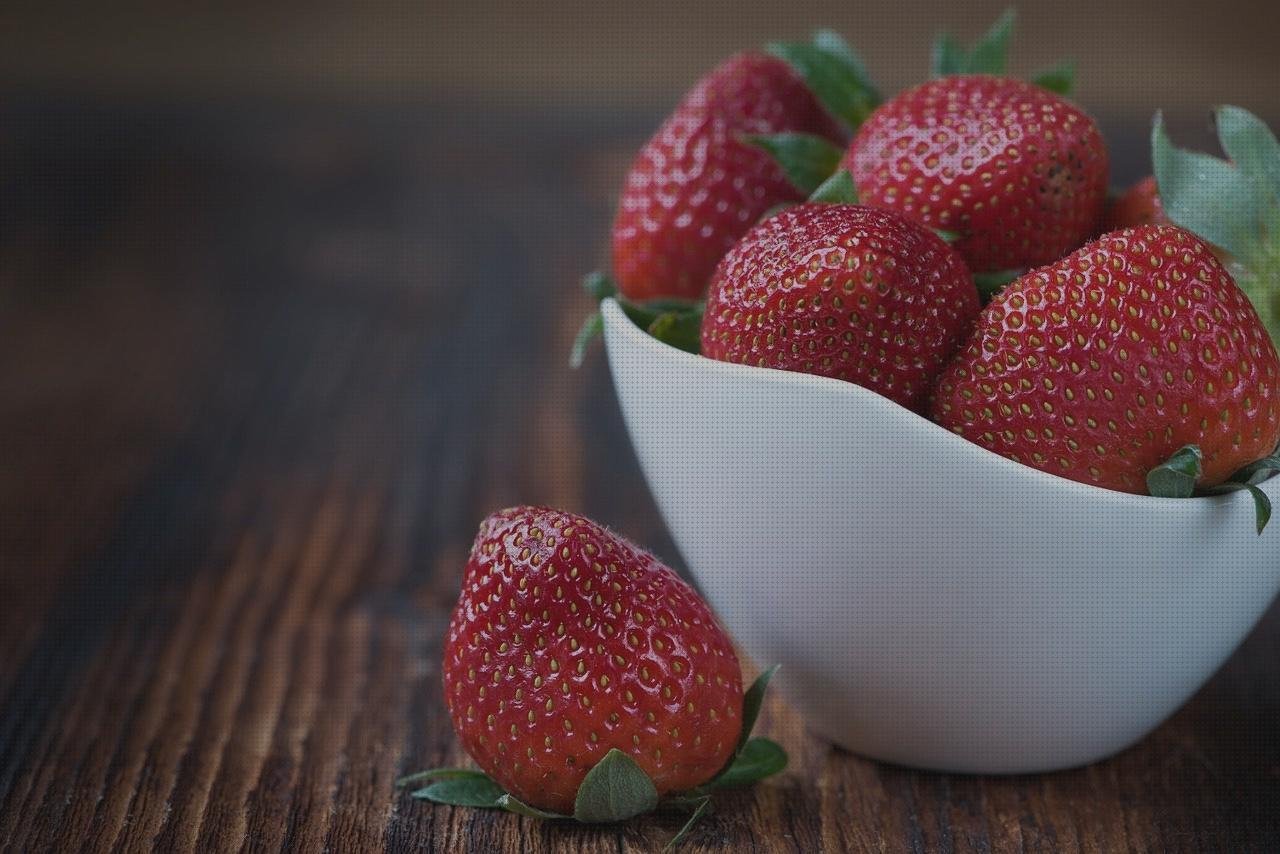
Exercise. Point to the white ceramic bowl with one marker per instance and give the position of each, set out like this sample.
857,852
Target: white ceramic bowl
932,603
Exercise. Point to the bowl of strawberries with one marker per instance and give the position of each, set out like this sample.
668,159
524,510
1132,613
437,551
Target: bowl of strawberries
981,457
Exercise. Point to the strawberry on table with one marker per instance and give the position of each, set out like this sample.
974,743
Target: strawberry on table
569,641
587,680
1016,171
699,184
1102,366
844,291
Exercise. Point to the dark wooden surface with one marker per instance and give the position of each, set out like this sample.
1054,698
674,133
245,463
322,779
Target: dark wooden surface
262,370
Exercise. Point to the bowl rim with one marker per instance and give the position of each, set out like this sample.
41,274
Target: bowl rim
617,323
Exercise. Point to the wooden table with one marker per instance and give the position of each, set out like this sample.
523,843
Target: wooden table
262,371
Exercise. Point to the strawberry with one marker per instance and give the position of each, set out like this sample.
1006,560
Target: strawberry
1138,205
1101,366
698,184
568,642
1018,172
844,291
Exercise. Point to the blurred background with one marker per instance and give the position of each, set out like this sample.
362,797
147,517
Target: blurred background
282,238
1134,56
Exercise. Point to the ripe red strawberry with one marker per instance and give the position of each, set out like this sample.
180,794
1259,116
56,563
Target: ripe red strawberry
843,291
696,186
1019,172
1138,205
568,641
1099,367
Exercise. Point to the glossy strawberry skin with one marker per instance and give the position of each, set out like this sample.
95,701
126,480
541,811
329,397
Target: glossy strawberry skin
567,641
696,187
844,291
1100,367
1019,172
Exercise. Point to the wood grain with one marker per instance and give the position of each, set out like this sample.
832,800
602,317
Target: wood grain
263,371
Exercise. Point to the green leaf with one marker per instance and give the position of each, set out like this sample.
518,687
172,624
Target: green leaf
838,83
1061,78
839,189
463,792
807,160
675,321
1248,478
1206,195
598,285
681,329
834,44
511,803
1177,476
1259,471
639,314
439,774
591,329
752,700
1252,147
614,790
665,304
947,57
1261,503
990,284
990,54
644,315
703,807
688,799
759,758
947,236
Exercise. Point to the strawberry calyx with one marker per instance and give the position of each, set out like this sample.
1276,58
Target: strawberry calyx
1177,477
838,78
806,159
673,321
616,788
839,189
1257,472
1233,203
835,74
1059,78
990,55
